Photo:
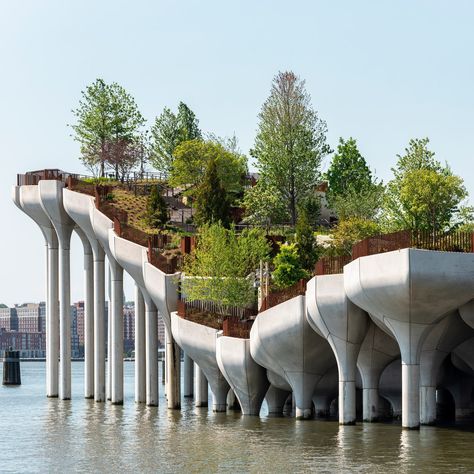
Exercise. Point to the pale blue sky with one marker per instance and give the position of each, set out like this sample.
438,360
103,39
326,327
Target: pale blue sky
380,71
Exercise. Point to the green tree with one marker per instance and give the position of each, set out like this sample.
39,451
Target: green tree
424,195
191,159
263,205
157,210
188,124
218,269
305,242
364,203
350,231
353,192
290,142
168,131
107,117
212,204
288,269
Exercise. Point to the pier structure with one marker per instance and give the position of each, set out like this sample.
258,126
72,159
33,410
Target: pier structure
387,333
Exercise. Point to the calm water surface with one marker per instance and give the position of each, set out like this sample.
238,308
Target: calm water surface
41,435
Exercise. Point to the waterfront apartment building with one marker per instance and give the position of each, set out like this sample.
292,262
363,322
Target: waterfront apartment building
8,319
31,317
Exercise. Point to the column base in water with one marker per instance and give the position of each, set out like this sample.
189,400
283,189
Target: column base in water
427,405
370,405
200,388
411,396
347,402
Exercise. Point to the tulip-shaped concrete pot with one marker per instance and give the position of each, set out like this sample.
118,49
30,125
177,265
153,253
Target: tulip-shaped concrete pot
247,379
343,324
27,198
410,290
51,196
80,208
282,341
199,342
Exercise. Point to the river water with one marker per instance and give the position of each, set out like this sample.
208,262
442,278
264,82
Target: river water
46,435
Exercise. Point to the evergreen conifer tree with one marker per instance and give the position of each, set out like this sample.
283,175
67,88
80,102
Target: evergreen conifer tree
212,204
157,210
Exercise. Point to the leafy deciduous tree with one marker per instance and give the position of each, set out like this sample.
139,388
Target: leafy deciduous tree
424,195
168,131
107,117
191,159
290,142
220,265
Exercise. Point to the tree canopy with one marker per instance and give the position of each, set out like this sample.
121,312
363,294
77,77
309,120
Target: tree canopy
168,131
221,264
290,143
352,190
424,194
191,159
108,123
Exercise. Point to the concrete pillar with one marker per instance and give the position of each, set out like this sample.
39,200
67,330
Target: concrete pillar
321,406
151,351
427,405
173,371
410,396
52,321
140,364
347,402
370,404
88,323
65,321
99,324
188,376
109,336
200,387
276,399
117,333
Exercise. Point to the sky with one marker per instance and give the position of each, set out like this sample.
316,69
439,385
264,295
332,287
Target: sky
380,71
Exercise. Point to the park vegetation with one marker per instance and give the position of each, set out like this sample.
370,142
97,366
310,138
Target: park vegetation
212,174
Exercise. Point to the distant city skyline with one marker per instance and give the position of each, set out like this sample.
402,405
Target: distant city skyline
381,72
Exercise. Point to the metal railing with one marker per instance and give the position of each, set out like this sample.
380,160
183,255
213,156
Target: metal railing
232,325
280,296
381,243
331,265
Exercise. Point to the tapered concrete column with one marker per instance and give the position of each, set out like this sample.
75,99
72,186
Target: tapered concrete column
449,333
332,315
52,322
276,398
151,336
404,290
173,370
321,406
188,376
410,395
51,197
99,325
140,364
88,317
109,336
200,387
377,351
427,405
65,321
117,333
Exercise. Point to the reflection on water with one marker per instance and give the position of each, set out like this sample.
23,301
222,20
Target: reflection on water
47,435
